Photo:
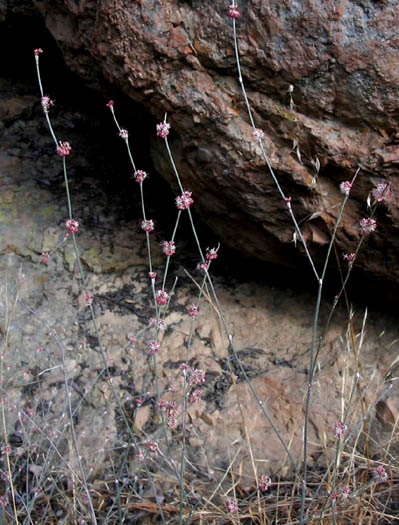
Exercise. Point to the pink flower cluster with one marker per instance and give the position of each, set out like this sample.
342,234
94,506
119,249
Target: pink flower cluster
184,201
124,134
197,376
63,149
345,491
344,494
264,483
172,412
233,11
152,446
72,226
139,176
147,225
340,429
162,297
192,310
89,299
161,323
258,133
345,187
381,473
44,257
368,225
153,347
38,51
231,504
163,129
349,257
110,104
211,254
46,103
195,396
204,266
168,248
381,192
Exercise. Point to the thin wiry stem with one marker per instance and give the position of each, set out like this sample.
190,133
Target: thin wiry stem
224,323
103,354
157,308
315,350
266,157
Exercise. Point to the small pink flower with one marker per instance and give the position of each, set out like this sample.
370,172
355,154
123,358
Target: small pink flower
163,129
381,192
110,104
140,175
211,254
184,201
345,491
152,275
233,11
204,266
264,483
38,51
168,248
350,257
147,225
89,299
153,347
196,396
45,256
132,339
46,103
172,405
340,429
192,310
162,297
287,199
162,325
197,377
172,421
124,134
162,403
63,149
368,225
72,226
381,473
345,187
258,133
151,446
231,504
183,366
139,401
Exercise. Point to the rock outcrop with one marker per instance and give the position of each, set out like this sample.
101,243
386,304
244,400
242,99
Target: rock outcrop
341,59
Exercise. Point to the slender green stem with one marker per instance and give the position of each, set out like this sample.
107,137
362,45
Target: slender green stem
224,323
103,353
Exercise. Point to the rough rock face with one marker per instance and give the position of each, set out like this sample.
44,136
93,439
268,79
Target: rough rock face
341,57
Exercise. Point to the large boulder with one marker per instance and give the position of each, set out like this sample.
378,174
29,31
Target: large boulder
323,82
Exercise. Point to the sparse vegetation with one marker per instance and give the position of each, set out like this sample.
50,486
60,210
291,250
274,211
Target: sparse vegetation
143,472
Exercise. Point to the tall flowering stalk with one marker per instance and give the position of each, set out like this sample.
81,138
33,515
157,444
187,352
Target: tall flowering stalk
63,149
161,296
367,226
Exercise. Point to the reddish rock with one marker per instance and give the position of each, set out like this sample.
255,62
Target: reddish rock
340,57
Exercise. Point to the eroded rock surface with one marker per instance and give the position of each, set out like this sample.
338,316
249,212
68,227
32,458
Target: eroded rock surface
341,58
